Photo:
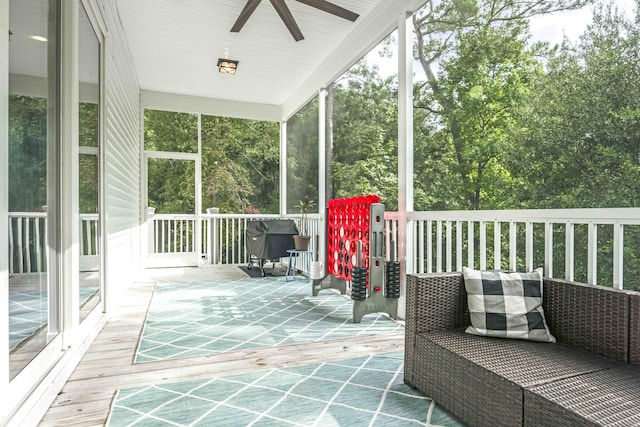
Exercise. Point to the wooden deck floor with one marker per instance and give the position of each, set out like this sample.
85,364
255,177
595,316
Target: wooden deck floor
108,365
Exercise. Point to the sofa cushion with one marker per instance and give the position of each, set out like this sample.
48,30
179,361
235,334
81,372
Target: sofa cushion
506,305
605,398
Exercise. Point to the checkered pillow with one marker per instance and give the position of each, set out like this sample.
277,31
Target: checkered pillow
507,305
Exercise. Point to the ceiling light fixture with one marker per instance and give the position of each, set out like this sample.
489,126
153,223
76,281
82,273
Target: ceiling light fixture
227,66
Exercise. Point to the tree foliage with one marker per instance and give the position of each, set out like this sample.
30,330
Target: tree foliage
365,145
240,165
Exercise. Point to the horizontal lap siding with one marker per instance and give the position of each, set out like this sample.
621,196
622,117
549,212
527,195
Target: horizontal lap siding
122,147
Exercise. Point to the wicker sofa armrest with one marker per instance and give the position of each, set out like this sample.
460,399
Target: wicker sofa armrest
593,318
434,301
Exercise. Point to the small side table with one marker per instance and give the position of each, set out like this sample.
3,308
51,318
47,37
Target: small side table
294,254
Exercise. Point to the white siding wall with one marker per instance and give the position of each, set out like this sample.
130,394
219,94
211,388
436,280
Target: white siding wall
122,105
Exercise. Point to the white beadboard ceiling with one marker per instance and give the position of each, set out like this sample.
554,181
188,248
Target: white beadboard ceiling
176,45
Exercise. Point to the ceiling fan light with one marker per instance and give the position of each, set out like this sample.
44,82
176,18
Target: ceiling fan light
227,66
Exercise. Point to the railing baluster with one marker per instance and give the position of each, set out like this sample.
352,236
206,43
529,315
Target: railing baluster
513,245
226,241
569,253
439,246
449,247
246,252
38,249
429,246
497,248
181,235
528,241
83,232
458,245
176,234
471,244
27,233
548,249
239,241
483,245
233,241
618,256
20,248
592,254
158,232
421,258
11,228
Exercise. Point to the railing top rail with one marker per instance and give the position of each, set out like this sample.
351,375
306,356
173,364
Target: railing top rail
232,216
584,216
242,216
174,216
44,215
27,214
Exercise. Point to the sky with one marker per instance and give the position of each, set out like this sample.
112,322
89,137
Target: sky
572,23
549,28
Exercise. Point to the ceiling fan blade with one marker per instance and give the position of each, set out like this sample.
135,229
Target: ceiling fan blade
245,15
334,9
287,18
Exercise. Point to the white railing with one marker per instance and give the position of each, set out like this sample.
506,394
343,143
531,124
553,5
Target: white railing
222,236
587,245
224,239
28,242
172,234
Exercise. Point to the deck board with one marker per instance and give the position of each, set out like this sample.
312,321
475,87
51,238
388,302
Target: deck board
108,364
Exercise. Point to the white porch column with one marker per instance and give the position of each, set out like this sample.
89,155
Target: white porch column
405,154
322,177
283,168
198,223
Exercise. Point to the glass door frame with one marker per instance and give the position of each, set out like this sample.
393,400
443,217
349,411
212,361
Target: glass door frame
185,259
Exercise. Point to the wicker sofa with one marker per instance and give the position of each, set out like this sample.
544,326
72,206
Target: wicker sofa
590,377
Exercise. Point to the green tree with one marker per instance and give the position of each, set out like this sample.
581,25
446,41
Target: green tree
578,144
471,88
365,135
302,155
171,182
482,86
240,165
28,153
583,118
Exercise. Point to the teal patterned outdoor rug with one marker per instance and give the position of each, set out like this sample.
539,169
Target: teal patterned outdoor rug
364,391
222,315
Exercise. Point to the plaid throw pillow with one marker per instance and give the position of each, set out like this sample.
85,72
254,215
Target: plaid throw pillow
507,305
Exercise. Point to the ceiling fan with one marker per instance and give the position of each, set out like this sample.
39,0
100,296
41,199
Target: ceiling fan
285,14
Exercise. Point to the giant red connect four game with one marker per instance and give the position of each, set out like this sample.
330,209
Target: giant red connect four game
348,223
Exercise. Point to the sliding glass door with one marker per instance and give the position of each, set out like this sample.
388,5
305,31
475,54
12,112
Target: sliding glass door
32,180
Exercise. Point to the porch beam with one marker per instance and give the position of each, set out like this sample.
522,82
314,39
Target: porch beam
152,100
